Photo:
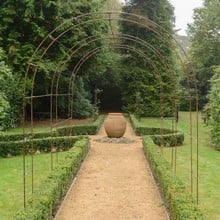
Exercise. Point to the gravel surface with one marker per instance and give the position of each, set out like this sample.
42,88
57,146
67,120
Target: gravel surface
122,140
113,183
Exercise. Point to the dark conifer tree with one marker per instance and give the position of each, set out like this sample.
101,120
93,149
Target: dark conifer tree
141,83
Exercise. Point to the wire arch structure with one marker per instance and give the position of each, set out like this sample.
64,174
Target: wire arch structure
54,38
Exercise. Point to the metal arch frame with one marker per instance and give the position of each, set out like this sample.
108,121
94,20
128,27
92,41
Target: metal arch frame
127,37
150,26
143,43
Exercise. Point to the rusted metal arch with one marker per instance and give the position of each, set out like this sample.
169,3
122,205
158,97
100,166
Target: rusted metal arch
36,67
118,37
83,59
144,43
148,59
135,39
147,26
127,20
109,13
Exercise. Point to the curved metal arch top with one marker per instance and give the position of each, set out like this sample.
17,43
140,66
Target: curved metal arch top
55,37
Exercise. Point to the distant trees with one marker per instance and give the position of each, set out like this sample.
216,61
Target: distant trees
204,35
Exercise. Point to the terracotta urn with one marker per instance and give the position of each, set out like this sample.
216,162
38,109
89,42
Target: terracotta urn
115,125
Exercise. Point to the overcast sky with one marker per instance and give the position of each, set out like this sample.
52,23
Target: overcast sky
183,12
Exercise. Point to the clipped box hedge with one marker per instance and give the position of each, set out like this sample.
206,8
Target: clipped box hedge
13,148
12,145
87,129
165,137
17,137
47,196
179,201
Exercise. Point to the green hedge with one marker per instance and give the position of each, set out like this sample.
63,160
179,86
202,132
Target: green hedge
17,137
179,201
47,196
12,145
89,129
164,136
14,148
85,129
169,140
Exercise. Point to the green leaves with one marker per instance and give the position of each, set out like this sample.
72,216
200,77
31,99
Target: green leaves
146,76
82,107
214,100
205,44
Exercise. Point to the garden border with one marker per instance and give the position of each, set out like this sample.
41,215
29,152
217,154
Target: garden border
160,136
47,196
178,200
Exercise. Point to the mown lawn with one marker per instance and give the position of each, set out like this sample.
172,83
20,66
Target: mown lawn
11,180
209,163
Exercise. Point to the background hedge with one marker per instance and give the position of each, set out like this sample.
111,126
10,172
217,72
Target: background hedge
165,137
62,139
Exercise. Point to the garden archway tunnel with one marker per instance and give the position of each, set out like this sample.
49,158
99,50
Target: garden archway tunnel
54,41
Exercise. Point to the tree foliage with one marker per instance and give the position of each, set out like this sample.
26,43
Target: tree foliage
214,108
24,24
204,35
141,76
10,95
82,106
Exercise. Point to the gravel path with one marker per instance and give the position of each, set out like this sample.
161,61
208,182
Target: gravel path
113,183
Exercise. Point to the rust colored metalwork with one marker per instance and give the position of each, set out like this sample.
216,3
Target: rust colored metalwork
54,37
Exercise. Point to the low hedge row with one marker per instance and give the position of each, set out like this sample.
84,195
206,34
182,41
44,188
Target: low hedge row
164,136
47,196
87,129
13,148
12,145
18,137
170,140
179,201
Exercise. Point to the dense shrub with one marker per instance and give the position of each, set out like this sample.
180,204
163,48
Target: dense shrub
82,106
10,95
179,202
17,137
165,137
85,129
214,100
12,145
89,129
13,148
47,196
171,140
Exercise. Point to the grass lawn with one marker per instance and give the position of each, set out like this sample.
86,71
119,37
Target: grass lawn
44,125
11,180
209,163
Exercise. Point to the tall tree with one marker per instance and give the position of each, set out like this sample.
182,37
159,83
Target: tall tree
204,35
141,82
24,24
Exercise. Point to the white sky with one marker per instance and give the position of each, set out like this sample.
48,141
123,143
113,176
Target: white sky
183,12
